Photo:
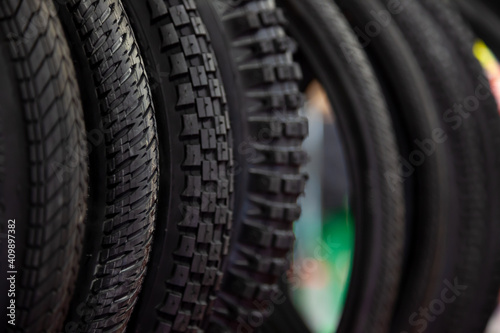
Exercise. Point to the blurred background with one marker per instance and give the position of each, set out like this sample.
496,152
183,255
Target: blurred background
323,251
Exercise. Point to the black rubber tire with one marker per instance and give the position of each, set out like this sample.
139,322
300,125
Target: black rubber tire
428,186
195,202
286,318
124,165
493,5
483,20
330,49
44,185
255,60
472,144
479,251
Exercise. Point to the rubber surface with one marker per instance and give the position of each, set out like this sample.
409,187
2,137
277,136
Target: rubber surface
479,250
494,5
255,57
195,201
483,20
428,183
120,220
330,49
286,318
472,144
45,160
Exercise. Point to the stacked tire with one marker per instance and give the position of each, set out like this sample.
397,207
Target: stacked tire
117,165
443,116
151,162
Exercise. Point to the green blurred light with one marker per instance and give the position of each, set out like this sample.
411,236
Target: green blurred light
321,302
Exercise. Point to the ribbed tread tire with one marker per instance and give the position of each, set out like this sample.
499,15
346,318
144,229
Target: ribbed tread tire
195,203
46,164
255,57
119,240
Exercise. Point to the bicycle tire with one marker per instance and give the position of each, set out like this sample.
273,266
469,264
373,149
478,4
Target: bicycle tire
123,165
451,86
480,254
336,58
195,201
255,60
45,175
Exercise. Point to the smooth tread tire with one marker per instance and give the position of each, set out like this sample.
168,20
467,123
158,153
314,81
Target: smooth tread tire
255,59
331,51
472,142
479,249
44,174
124,164
196,185
427,185
483,20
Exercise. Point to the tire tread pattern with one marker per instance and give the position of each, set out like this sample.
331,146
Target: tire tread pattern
130,138
58,165
206,201
264,237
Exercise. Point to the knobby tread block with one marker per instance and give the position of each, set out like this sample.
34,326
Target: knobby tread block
276,183
263,72
56,150
132,173
272,101
274,211
189,276
269,155
279,127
